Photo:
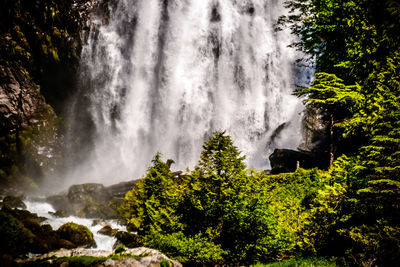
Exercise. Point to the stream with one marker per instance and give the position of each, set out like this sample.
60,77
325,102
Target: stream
44,209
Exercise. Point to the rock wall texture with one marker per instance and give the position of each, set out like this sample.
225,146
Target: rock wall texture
40,44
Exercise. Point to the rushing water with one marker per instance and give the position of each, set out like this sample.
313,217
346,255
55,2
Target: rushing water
103,242
162,75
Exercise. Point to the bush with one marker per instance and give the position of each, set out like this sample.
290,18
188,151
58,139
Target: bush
119,249
187,250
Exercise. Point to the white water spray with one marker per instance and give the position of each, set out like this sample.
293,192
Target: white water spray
162,75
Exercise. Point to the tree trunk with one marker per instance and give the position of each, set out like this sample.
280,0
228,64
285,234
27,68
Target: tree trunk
331,146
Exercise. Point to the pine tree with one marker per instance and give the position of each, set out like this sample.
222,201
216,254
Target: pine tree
329,94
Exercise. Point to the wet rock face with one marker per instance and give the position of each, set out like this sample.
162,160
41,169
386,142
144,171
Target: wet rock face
315,131
28,131
91,200
13,202
90,192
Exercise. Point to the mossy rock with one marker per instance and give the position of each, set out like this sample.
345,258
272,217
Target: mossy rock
98,210
86,193
62,243
77,234
32,224
107,230
129,240
16,239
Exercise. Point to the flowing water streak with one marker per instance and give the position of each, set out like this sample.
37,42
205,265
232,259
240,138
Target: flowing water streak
162,75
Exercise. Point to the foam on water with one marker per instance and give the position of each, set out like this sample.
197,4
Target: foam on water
103,242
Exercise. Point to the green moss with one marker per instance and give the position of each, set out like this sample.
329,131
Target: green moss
77,234
15,237
165,263
119,249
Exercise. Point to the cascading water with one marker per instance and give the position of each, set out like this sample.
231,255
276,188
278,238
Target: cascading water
162,75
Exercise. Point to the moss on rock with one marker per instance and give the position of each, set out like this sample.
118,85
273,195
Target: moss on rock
77,234
15,237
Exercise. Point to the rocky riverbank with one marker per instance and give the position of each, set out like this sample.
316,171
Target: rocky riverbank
35,239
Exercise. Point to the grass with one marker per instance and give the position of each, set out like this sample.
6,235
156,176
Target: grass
299,262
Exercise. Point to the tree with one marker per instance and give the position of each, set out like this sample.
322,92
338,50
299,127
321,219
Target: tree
358,41
151,205
226,204
329,94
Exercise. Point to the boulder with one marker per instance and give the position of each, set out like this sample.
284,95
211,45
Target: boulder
119,190
23,233
16,239
131,227
127,239
59,213
84,200
14,202
91,192
107,230
100,222
59,202
96,210
77,234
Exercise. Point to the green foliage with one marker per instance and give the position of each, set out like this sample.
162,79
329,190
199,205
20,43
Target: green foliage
165,263
119,249
152,204
329,93
221,212
358,41
189,250
299,262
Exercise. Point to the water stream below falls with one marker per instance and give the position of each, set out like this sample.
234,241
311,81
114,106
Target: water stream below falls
161,76
44,209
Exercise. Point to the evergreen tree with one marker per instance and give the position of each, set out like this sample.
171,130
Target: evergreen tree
329,94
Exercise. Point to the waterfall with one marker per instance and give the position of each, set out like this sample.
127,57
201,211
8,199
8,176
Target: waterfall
162,75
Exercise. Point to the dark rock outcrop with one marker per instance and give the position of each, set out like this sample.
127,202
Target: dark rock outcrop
127,239
13,202
107,230
286,160
40,46
85,200
91,200
22,232
86,193
119,190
